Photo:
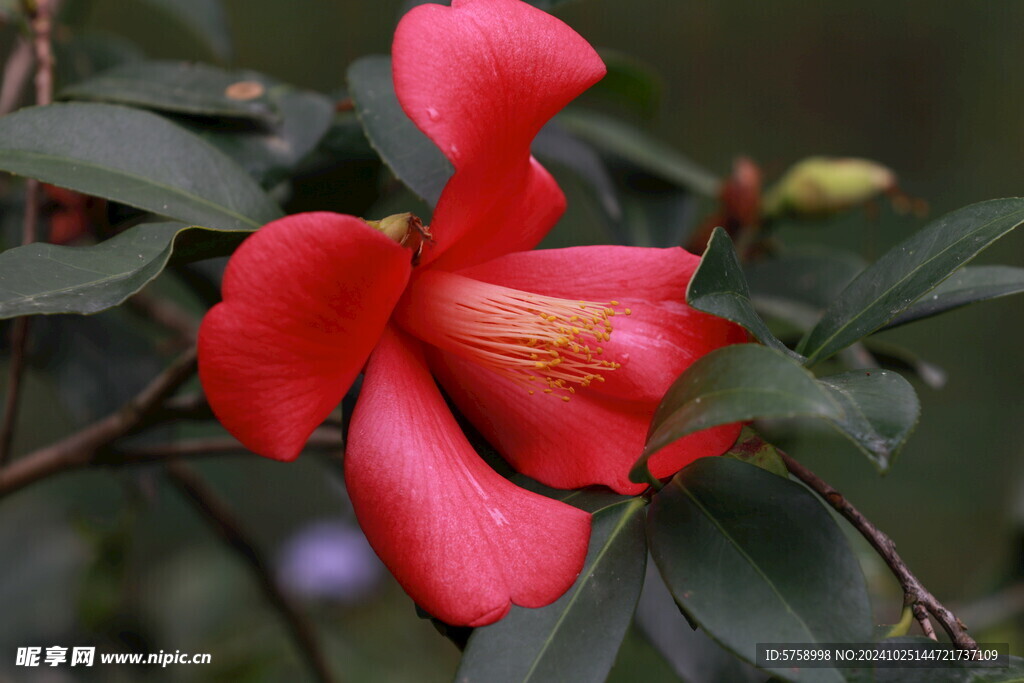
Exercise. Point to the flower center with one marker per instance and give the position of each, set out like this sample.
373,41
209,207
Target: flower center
548,344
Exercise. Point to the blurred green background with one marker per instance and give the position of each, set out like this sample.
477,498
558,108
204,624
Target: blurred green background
933,90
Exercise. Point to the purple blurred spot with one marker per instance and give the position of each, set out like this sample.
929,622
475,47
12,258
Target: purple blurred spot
329,559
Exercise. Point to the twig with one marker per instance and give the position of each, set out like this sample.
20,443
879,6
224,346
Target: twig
231,532
80,448
921,614
19,335
914,593
321,439
17,70
42,25
187,407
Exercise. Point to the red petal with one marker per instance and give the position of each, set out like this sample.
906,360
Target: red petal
587,440
464,542
480,78
596,273
305,300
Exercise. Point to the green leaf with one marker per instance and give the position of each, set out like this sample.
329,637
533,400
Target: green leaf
753,557
966,286
634,145
577,637
751,448
881,410
733,384
45,278
203,19
410,154
178,87
270,154
907,272
719,288
133,157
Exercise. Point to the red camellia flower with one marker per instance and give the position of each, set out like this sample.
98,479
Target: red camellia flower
558,357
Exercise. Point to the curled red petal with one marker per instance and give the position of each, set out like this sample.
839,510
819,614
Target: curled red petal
480,78
464,542
305,300
567,444
596,273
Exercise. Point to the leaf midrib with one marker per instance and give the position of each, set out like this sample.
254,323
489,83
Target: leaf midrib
627,515
109,278
29,155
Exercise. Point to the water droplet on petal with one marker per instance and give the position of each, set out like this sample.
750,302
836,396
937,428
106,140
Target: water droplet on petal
433,114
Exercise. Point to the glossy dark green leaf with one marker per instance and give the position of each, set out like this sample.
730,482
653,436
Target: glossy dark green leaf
733,384
203,19
631,143
410,154
45,278
719,288
271,153
577,637
753,557
691,652
133,157
751,448
966,286
880,410
179,87
909,271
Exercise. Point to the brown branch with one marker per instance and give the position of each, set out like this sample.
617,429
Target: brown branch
42,25
914,593
17,70
42,28
15,372
81,448
223,520
321,439
187,407
921,614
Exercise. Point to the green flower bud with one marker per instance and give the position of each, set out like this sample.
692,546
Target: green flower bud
823,186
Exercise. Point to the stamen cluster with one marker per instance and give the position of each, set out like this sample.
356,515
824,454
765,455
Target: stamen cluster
537,339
